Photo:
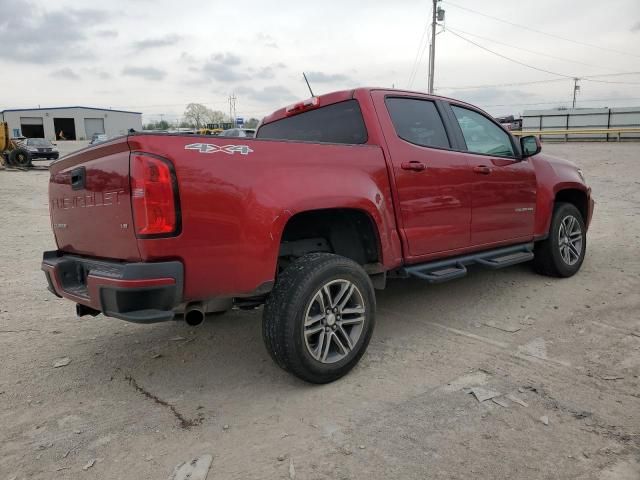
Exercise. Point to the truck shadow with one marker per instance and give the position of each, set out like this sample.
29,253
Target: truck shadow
195,371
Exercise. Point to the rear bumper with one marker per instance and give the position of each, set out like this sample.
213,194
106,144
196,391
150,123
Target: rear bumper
137,292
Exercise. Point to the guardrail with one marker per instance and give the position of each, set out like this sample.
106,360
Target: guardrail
616,132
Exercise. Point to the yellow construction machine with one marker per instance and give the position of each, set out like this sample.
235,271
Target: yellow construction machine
210,131
11,153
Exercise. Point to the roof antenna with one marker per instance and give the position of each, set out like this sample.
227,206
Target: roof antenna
306,80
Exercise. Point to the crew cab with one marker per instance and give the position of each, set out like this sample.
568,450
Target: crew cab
335,195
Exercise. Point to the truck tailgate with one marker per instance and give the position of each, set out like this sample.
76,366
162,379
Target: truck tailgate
90,202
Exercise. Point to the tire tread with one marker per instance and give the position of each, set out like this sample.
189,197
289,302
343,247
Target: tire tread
277,330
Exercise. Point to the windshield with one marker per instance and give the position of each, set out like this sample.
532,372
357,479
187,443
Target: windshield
38,142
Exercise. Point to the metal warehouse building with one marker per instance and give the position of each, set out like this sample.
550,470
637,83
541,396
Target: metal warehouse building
70,123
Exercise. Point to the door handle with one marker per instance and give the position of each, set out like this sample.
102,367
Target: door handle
482,169
413,165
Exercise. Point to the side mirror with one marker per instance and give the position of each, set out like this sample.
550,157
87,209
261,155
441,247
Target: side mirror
530,146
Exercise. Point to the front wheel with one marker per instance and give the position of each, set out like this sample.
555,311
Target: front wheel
19,157
319,317
563,251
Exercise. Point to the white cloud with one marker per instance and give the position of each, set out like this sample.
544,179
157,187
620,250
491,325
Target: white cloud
157,60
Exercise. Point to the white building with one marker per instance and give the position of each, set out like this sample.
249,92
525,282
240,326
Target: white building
69,123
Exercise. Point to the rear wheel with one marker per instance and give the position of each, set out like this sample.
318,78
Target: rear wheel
19,157
562,253
319,318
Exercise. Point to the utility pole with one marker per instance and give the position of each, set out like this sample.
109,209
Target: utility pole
437,14
576,88
232,108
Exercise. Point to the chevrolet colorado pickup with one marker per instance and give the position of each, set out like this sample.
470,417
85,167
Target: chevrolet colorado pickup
335,195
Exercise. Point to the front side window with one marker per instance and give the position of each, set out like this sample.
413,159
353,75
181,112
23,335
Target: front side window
482,135
336,123
418,122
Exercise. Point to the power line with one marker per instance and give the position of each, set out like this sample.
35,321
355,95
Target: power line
612,74
419,54
609,81
515,84
509,58
523,49
419,63
558,102
541,32
590,78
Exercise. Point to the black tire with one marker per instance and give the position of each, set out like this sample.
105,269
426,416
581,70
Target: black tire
548,258
286,309
19,157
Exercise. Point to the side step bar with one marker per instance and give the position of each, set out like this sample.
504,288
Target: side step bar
456,267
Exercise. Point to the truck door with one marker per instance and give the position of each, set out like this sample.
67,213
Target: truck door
432,182
504,187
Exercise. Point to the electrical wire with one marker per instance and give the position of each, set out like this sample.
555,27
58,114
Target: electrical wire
558,102
608,81
419,53
522,48
419,63
612,74
513,84
590,78
517,84
509,58
539,31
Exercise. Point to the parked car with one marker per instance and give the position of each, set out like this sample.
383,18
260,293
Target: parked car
238,132
98,138
335,195
510,122
41,148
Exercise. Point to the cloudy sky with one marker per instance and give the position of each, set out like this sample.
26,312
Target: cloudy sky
155,56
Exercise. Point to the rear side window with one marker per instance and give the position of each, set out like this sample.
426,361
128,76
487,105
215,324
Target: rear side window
338,123
418,121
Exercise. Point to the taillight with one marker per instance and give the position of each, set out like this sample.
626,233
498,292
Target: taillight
153,196
308,104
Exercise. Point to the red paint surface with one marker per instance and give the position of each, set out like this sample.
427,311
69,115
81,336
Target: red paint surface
235,207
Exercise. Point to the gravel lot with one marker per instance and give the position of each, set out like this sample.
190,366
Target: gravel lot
138,400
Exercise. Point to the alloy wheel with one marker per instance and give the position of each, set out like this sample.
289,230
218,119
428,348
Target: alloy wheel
334,321
570,241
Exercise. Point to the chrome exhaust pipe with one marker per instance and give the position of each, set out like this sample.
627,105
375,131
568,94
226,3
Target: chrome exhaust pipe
194,314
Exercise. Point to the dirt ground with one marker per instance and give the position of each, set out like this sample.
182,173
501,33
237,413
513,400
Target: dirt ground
137,400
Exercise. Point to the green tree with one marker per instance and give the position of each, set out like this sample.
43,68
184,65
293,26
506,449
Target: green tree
251,123
161,125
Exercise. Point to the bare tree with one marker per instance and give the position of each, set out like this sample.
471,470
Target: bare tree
215,116
197,114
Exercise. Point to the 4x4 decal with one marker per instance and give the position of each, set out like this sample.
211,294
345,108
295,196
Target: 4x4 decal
211,148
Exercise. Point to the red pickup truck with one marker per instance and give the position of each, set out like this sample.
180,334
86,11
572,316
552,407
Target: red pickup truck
334,195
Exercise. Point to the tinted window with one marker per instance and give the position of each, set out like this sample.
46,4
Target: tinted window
338,123
417,121
482,135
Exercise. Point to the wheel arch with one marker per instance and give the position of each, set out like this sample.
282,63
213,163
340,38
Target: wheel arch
349,232
576,197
